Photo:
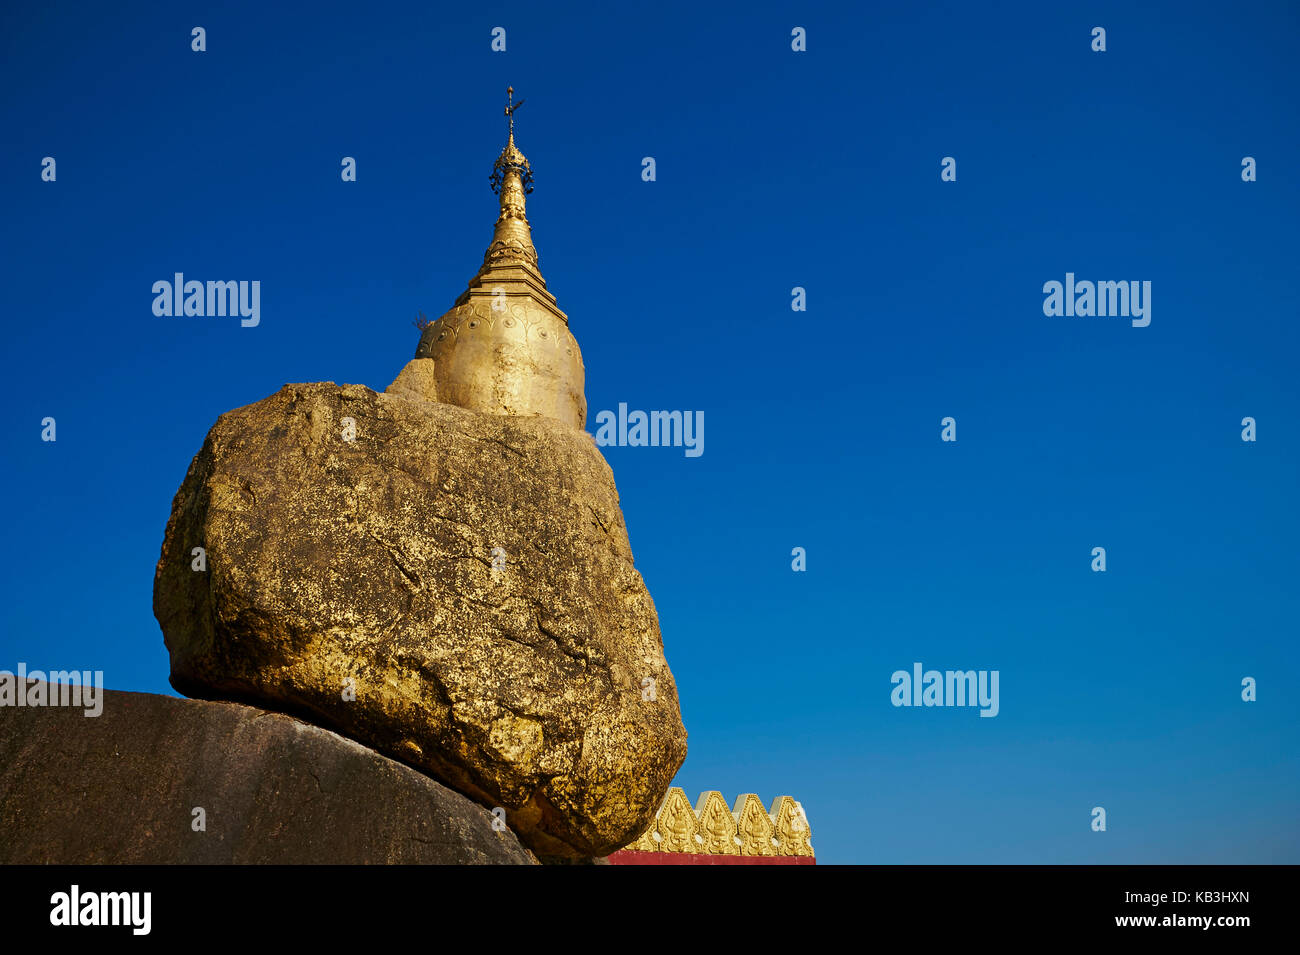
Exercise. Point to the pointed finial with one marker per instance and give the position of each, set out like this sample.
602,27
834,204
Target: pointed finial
511,158
511,106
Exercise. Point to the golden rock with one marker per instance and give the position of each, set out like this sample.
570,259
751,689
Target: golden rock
453,589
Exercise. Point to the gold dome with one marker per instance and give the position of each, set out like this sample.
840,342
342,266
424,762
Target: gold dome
505,346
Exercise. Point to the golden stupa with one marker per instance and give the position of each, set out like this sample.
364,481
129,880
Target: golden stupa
505,347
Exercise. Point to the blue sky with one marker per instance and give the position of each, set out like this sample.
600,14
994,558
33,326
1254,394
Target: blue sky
775,169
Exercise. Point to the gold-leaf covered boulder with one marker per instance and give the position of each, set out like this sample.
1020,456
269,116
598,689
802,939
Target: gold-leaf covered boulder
450,587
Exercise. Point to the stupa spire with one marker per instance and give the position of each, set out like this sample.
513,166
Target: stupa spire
512,179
